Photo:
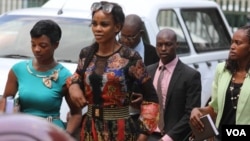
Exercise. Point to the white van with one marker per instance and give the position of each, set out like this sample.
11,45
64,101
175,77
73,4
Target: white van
203,33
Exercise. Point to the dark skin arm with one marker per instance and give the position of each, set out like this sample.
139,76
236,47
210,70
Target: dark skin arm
76,114
136,102
76,100
10,89
197,113
77,96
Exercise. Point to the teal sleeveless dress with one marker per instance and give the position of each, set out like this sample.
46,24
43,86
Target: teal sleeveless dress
35,97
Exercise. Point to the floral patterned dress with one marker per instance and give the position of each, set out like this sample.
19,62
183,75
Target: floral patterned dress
108,84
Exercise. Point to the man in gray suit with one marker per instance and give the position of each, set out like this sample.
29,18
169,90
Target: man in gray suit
179,90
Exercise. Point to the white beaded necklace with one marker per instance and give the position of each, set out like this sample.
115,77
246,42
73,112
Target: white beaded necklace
45,78
233,98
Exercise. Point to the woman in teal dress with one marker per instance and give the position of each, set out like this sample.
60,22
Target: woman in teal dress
40,82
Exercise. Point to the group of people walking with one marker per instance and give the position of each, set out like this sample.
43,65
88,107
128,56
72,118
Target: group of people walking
134,91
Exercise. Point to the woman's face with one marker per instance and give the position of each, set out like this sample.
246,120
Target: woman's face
42,48
103,27
240,46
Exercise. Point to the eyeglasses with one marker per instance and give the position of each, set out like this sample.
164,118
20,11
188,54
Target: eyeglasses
129,38
107,7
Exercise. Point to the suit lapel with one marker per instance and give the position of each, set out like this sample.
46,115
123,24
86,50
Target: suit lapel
173,80
152,70
225,78
244,96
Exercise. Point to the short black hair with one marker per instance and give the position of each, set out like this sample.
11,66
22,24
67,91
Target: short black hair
47,27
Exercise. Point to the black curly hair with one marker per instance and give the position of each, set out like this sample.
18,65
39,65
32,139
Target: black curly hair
49,28
232,65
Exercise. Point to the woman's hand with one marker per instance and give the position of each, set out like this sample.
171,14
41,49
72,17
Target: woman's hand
2,104
77,96
195,119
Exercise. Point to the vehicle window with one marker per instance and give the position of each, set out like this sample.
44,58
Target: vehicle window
168,19
206,28
15,37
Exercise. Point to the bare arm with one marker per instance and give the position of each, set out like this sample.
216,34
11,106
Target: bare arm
197,113
77,96
10,89
75,115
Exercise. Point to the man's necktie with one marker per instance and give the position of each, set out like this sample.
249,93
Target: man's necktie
159,92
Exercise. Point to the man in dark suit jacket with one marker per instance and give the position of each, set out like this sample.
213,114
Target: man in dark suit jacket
132,36
180,89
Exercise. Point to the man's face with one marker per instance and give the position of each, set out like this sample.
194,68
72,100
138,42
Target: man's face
166,48
130,37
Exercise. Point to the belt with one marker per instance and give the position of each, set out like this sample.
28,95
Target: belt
108,113
50,118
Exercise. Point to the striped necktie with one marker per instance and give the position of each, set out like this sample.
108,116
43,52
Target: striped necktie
159,92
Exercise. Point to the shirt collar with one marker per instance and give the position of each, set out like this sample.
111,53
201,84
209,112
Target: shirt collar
170,66
140,49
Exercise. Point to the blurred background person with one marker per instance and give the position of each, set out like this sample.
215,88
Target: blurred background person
24,127
178,87
41,81
230,101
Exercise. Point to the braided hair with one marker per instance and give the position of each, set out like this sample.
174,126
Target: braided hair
90,54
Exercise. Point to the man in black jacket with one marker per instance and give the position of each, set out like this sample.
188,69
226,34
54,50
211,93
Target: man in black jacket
178,87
